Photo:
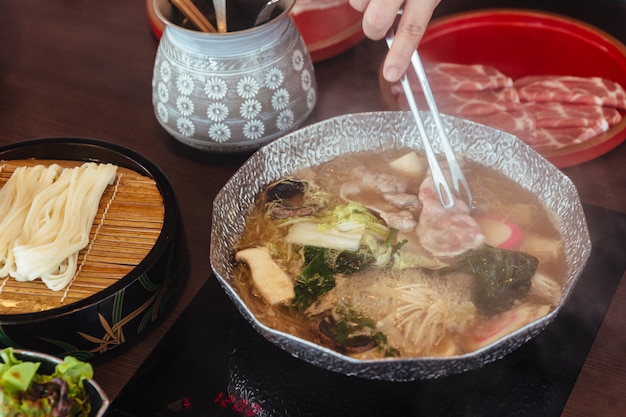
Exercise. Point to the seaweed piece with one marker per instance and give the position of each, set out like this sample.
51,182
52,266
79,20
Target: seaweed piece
321,265
501,276
315,280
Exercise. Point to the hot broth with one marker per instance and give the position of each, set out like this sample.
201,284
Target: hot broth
420,280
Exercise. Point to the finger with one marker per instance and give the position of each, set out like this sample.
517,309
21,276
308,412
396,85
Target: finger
411,28
379,16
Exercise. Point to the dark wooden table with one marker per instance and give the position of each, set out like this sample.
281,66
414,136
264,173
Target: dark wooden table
83,68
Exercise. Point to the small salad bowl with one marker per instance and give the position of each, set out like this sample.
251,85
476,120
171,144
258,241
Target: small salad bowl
97,397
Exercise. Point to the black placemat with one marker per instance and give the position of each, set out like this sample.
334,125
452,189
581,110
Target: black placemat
212,363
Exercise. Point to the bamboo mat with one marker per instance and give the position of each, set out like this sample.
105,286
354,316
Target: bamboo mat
127,225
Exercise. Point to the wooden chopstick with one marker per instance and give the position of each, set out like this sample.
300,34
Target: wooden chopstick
190,10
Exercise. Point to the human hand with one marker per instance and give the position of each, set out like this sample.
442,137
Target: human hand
380,15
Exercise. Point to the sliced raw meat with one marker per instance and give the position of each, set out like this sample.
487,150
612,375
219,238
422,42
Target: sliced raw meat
446,232
385,194
570,89
444,76
542,142
556,138
611,115
545,111
553,114
480,103
518,122
466,104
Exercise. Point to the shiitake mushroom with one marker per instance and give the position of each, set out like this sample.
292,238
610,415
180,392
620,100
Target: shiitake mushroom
287,198
337,335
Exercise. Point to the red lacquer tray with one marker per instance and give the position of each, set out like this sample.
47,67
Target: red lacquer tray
524,42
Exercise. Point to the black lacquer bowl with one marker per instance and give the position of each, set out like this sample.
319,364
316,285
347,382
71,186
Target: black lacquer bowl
125,310
323,141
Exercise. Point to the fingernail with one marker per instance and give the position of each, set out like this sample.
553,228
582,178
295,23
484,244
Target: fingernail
392,74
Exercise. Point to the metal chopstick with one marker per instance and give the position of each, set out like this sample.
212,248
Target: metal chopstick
446,196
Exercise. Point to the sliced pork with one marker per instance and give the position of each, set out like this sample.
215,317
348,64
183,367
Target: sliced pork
545,111
446,76
446,232
570,89
518,122
555,114
479,103
386,194
468,104
559,137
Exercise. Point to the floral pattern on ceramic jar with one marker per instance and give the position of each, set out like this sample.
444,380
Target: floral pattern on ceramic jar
234,91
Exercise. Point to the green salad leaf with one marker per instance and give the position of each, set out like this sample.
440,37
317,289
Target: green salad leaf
26,393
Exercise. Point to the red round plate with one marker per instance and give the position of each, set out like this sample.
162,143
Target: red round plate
524,42
327,31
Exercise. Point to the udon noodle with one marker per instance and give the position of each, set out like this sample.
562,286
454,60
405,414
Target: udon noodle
47,214
370,264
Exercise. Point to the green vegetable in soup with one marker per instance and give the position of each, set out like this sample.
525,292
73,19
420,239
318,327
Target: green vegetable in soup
321,265
343,262
352,332
502,276
316,278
